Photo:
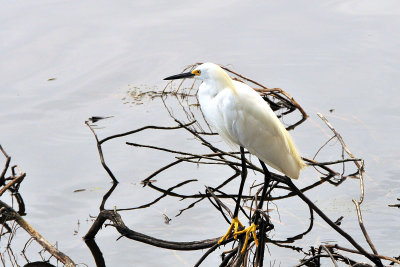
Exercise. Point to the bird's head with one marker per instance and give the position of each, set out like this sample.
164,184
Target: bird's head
204,72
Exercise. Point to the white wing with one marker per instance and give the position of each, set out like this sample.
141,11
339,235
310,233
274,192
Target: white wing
251,123
242,117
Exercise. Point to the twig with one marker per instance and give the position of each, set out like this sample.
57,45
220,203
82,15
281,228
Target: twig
274,89
107,195
205,255
6,165
219,202
330,255
359,215
17,179
144,128
332,162
339,137
360,172
11,213
357,252
166,193
332,224
100,150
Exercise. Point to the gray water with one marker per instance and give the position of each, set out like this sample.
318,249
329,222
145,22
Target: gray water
341,55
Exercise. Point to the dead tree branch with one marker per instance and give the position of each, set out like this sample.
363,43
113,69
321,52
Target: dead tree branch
8,214
13,215
360,168
120,226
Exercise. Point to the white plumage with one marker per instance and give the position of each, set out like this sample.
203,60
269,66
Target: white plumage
241,117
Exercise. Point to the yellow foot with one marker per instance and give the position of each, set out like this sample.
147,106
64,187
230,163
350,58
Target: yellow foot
235,223
251,229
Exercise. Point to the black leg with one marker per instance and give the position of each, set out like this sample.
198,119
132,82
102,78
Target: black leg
243,175
260,249
267,178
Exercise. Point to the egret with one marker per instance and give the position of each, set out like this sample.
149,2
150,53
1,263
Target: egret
242,118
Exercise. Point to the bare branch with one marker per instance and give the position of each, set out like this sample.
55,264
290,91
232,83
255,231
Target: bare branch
11,213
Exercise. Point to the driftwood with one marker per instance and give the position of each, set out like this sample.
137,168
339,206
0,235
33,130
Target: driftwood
196,126
10,215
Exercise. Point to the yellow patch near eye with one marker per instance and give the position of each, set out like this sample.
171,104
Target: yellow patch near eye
196,72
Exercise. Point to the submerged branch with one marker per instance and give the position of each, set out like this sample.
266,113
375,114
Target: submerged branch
118,223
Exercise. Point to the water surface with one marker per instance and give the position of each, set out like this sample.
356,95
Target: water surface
341,55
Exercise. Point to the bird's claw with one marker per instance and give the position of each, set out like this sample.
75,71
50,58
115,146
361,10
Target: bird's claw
251,229
234,225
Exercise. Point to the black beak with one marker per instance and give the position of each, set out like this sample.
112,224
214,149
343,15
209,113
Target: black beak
180,76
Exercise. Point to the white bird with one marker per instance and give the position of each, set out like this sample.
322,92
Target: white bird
242,117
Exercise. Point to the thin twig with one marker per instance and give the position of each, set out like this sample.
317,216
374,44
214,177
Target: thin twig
6,165
100,150
330,255
360,172
219,202
145,128
357,252
339,137
332,224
